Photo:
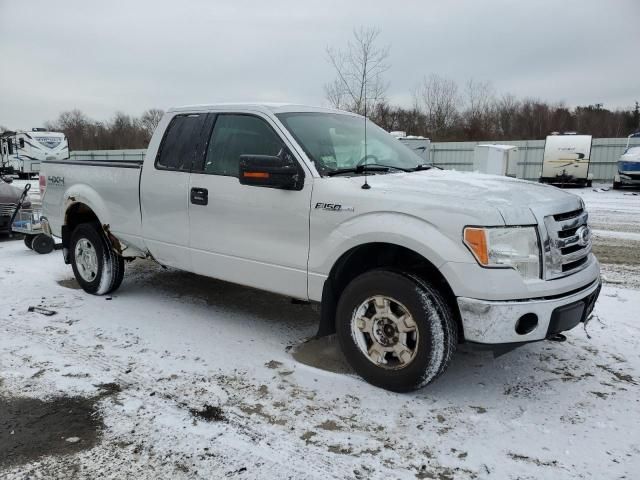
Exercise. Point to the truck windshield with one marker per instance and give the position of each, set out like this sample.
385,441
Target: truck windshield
335,141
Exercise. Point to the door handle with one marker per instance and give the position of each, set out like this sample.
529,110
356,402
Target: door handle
199,196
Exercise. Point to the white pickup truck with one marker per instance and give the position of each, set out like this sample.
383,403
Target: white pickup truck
406,260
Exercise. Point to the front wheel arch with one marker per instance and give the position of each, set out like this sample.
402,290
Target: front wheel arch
377,255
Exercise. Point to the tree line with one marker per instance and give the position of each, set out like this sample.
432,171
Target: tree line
120,132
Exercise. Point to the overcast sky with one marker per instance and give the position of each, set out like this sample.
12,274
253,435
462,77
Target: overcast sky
111,55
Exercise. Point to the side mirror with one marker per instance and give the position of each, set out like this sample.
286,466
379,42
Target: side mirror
270,171
8,179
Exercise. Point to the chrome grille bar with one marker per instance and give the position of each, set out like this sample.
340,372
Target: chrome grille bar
7,209
569,243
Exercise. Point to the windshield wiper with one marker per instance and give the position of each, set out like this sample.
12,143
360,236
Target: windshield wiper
424,166
371,167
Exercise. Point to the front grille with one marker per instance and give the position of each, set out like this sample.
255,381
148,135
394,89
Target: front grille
567,216
7,209
569,245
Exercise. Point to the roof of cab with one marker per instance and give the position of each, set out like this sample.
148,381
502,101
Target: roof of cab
257,106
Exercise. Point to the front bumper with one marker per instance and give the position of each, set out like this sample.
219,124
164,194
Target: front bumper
498,322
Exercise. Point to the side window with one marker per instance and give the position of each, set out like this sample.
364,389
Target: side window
10,145
234,135
178,147
22,143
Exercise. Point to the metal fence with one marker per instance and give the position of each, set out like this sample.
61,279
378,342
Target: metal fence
605,152
108,155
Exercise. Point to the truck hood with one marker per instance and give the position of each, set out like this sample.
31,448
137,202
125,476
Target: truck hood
513,198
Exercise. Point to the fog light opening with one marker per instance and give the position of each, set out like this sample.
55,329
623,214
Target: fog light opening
527,323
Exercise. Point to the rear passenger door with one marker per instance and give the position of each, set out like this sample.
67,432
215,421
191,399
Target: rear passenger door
254,236
164,189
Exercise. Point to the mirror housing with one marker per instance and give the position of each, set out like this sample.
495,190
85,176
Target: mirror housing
271,172
7,179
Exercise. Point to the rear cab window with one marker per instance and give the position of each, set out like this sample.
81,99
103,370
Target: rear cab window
180,145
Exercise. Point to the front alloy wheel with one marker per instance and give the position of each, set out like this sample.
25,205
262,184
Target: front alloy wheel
385,332
396,330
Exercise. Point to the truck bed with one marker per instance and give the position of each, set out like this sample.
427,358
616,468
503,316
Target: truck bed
111,188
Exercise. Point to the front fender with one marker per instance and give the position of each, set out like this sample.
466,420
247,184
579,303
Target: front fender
395,228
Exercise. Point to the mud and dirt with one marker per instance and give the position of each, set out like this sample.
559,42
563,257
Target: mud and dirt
323,353
33,428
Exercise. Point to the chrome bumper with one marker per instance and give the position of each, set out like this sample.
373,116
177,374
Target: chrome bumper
497,322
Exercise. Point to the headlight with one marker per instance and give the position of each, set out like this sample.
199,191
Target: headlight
514,247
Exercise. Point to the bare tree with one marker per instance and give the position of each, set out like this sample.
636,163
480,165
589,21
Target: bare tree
479,109
360,73
150,120
437,97
507,109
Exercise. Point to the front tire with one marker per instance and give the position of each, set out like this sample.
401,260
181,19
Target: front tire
97,268
395,330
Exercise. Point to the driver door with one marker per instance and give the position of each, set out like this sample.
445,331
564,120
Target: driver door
251,235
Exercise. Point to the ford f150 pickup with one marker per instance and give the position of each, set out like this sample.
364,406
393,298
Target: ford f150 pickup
406,260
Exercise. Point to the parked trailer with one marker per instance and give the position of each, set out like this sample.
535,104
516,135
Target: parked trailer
628,166
21,152
566,160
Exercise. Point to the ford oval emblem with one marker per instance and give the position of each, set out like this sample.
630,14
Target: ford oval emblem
584,235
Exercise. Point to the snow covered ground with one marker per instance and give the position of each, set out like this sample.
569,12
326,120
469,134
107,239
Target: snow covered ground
168,344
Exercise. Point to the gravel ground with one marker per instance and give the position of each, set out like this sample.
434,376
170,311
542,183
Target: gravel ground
180,376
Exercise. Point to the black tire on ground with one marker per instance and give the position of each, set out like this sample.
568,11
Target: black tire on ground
434,322
617,185
110,266
28,241
42,243
589,183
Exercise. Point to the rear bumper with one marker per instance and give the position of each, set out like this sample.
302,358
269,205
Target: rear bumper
499,322
628,179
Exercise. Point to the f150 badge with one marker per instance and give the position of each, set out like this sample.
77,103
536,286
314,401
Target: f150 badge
333,207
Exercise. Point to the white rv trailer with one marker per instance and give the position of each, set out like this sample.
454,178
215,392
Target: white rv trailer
629,165
566,160
22,151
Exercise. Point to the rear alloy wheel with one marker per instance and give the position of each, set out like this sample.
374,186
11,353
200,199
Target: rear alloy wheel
395,330
97,268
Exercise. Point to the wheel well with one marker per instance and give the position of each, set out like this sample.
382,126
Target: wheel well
75,215
78,213
371,256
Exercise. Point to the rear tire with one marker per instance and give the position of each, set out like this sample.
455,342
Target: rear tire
395,330
42,244
617,185
97,268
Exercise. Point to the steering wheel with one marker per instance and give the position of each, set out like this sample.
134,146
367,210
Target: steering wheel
364,159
